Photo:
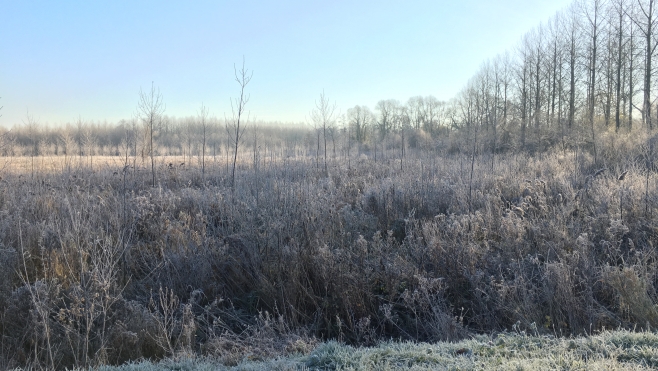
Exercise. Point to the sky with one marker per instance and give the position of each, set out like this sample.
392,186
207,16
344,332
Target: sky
61,61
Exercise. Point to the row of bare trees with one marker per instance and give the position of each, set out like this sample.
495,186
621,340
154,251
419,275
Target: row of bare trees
419,113
151,108
372,133
589,68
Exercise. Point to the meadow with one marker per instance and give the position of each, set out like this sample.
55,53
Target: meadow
99,268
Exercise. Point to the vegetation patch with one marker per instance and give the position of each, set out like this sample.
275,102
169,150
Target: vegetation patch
610,350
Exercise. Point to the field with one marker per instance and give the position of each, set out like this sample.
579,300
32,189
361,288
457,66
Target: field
98,267
57,164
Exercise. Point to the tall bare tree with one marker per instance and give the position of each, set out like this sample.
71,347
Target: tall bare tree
572,26
68,143
433,109
593,13
32,126
360,119
505,71
203,120
645,18
618,8
324,117
235,127
631,55
89,143
523,84
387,111
416,109
385,122
554,67
537,58
150,109
402,126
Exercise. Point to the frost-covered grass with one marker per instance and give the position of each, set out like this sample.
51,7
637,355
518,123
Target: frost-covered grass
97,267
610,350
621,350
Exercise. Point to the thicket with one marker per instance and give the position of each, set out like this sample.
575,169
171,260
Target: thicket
99,267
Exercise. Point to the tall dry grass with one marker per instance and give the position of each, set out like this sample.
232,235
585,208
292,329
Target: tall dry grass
97,267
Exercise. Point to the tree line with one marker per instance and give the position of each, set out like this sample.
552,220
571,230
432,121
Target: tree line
589,69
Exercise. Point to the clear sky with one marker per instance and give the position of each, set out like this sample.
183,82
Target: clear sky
67,59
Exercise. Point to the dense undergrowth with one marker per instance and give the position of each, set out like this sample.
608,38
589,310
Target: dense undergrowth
98,267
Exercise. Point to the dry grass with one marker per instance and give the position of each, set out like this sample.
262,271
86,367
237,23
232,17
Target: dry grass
57,164
98,268
614,351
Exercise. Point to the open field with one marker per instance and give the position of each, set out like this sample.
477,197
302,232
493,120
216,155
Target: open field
97,267
54,164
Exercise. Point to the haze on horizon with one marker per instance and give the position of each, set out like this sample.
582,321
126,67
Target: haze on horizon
64,60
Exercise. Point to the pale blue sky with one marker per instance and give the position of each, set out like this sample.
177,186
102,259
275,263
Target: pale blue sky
64,59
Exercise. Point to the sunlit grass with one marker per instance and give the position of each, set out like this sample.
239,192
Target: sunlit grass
610,350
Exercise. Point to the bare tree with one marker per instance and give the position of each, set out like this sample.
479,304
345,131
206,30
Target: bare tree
345,129
497,82
433,108
387,111
593,33
89,143
256,162
402,125
317,131
646,20
385,121
68,142
187,136
523,84
554,68
360,119
32,127
416,110
203,120
323,117
150,110
471,112
619,23
537,56
235,127
572,28
631,55
135,139
333,132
